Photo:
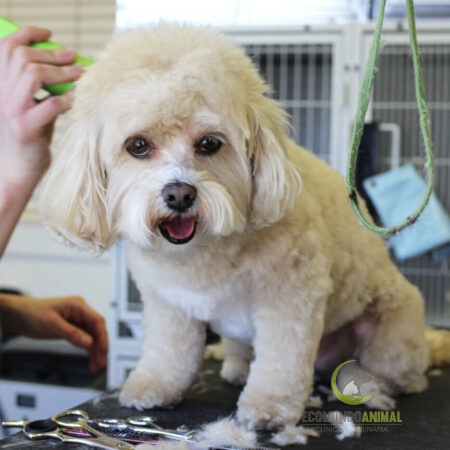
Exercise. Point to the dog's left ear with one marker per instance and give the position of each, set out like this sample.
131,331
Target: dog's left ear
276,181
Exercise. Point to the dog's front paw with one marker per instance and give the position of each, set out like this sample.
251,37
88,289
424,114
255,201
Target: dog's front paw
267,413
142,390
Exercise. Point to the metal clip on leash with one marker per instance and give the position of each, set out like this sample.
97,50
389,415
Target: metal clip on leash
363,103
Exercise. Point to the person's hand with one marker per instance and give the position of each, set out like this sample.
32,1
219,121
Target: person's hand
26,126
69,318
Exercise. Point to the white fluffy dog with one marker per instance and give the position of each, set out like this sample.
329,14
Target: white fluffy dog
176,148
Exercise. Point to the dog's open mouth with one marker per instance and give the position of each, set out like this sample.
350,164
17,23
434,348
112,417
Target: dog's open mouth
179,230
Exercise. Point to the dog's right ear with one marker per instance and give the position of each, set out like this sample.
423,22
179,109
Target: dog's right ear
73,193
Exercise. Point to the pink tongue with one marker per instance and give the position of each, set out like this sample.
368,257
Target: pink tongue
180,228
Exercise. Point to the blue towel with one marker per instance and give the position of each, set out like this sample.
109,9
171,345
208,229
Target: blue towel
396,195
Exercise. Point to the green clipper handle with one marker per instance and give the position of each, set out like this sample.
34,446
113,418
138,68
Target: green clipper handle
7,27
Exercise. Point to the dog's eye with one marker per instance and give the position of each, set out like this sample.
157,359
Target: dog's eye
139,147
208,145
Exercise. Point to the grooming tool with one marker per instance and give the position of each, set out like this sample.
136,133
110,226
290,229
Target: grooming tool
145,425
7,27
120,434
63,425
123,435
143,428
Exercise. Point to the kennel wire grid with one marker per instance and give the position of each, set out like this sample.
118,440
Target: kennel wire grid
394,101
300,78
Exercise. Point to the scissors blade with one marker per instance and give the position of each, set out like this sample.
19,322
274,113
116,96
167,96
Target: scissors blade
100,442
145,426
111,443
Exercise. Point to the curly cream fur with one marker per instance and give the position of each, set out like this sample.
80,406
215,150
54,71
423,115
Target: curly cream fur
278,260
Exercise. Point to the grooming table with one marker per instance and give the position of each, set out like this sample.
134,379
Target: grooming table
425,417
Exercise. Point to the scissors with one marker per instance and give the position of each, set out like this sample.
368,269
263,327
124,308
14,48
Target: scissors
146,425
64,426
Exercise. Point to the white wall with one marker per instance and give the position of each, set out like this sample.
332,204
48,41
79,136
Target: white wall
35,263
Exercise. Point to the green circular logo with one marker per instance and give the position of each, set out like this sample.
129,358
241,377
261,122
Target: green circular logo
356,381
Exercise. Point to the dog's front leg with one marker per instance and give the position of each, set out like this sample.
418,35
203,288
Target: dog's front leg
172,352
281,374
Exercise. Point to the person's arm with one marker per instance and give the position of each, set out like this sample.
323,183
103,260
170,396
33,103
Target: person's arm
26,129
26,126
13,200
69,318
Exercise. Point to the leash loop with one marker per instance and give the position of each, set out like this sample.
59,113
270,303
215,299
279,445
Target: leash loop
363,103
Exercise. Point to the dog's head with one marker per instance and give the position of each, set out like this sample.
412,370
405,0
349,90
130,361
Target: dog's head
173,139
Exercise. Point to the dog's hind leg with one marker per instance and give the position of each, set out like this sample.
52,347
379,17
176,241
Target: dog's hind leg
236,361
397,353
439,341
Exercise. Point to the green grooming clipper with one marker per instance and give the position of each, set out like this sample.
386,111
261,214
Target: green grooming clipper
7,27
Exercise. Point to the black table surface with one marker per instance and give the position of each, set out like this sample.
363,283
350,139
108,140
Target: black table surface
425,417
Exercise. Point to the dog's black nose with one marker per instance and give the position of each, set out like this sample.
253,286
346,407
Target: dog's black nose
179,196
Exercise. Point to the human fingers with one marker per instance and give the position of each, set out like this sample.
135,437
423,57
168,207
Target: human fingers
16,58
97,359
95,325
31,123
98,352
22,55
49,74
64,329
33,65
13,46
35,75
85,317
45,112
25,36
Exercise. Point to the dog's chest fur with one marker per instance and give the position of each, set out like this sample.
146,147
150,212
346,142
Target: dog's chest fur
211,295
228,315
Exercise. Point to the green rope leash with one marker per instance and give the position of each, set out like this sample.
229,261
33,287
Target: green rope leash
363,103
